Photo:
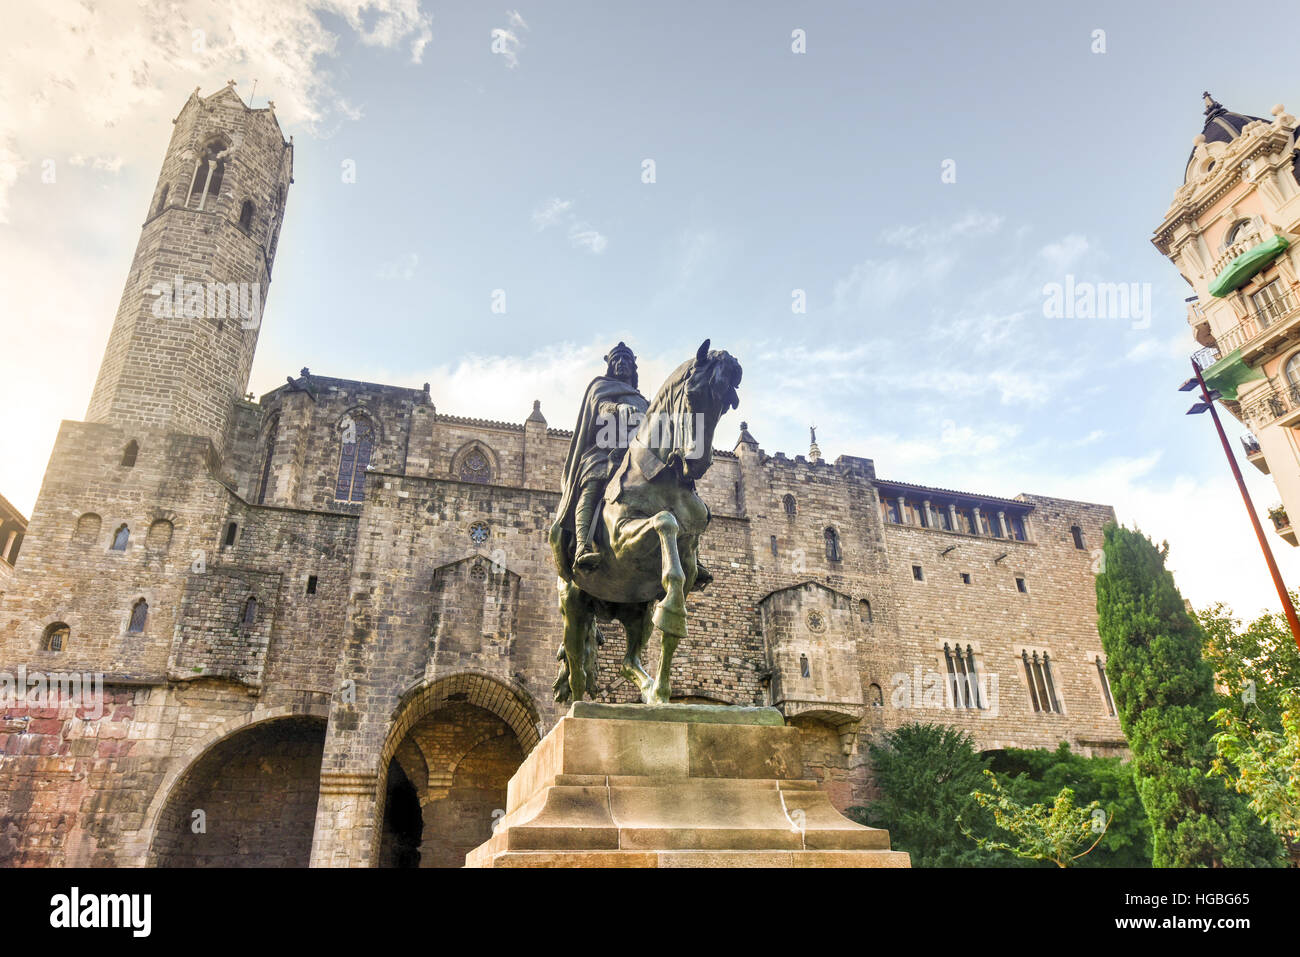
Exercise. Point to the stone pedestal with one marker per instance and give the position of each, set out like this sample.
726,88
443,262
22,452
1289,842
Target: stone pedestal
674,786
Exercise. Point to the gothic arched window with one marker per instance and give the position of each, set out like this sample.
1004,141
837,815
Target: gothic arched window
358,445
129,454
55,637
832,545
120,538
272,431
788,503
475,467
246,215
208,172
139,615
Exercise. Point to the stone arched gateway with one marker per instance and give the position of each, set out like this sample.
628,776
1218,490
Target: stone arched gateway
453,746
254,785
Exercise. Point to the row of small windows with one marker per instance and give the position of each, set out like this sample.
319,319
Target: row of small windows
88,526
918,574
832,539
55,637
954,518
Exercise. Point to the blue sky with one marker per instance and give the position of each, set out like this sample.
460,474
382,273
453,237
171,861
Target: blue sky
924,345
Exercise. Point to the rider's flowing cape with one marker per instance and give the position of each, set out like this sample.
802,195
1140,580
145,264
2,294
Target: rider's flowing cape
586,459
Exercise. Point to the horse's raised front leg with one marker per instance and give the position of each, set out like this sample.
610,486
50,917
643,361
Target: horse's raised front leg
578,620
670,611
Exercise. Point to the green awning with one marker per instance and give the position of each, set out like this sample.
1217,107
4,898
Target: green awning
1228,374
1238,272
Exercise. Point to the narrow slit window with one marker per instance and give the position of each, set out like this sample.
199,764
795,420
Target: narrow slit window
917,573
311,584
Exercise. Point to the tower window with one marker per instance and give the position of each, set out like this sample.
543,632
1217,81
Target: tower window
965,578
1105,686
832,545
773,546
250,612
139,615
311,584
232,530
788,503
875,695
55,637
272,431
354,457
1077,534
803,666
246,215
162,200
1021,586
917,574
963,678
864,609
120,538
129,454
1042,689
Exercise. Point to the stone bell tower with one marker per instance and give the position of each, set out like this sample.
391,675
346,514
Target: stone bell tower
182,343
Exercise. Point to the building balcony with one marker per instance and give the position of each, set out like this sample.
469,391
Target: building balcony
1245,243
1282,524
1277,404
1254,454
1260,333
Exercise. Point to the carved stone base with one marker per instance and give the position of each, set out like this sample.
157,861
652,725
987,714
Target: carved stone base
674,786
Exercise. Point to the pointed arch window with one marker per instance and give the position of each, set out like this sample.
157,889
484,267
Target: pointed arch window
246,215
833,553
475,467
139,615
272,432
121,538
209,170
354,456
788,503
130,453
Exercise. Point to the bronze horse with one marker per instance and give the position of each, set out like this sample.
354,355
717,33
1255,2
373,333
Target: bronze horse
648,532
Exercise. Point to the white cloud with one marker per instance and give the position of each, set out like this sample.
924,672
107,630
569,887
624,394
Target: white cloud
559,212
1065,253
505,40
926,236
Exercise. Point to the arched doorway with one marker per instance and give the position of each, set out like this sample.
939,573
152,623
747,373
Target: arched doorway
450,756
248,801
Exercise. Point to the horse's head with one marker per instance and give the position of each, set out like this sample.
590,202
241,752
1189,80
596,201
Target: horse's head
680,423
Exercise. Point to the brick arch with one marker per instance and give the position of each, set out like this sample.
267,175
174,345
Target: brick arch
140,848
501,696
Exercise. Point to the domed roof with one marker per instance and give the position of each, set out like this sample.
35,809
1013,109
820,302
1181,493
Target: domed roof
1221,125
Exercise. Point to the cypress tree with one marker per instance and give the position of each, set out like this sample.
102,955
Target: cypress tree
1164,693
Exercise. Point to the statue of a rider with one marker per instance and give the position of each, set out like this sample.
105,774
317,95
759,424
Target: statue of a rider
610,413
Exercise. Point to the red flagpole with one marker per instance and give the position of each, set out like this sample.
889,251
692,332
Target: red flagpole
1250,510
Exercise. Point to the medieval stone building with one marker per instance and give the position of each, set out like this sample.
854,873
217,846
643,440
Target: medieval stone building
325,622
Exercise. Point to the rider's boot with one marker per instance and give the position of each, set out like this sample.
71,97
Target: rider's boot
586,557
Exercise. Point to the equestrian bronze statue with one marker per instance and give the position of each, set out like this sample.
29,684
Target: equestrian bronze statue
626,535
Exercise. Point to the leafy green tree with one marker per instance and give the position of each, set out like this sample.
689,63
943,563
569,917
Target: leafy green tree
926,774
1060,833
1033,776
1264,764
1255,665
1164,693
